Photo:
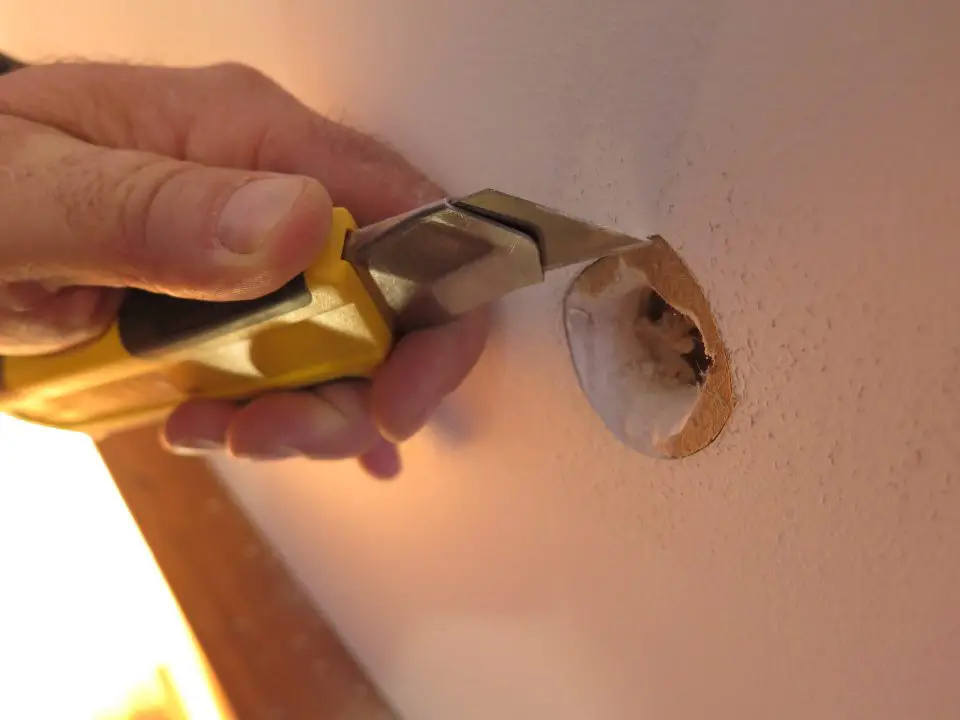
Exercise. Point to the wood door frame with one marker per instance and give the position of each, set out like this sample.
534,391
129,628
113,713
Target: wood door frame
272,652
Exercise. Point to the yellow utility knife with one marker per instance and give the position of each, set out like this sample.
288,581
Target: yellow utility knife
338,319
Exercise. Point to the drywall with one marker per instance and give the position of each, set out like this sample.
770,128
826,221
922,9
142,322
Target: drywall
805,160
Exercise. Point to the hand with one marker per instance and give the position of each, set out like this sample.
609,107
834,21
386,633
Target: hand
214,184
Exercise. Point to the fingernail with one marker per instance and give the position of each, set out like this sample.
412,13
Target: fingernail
324,421
199,446
52,286
280,453
253,211
411,421
317,433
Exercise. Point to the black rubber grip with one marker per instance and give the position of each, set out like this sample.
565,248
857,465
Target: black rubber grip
149,323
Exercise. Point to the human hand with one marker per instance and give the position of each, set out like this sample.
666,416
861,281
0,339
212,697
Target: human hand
208,183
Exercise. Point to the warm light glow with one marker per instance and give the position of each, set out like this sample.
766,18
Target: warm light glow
88,627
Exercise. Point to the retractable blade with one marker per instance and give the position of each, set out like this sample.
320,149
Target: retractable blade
444,259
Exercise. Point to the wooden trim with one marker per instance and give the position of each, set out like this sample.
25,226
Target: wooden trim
272,653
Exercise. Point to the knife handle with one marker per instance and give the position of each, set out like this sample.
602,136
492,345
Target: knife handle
323,325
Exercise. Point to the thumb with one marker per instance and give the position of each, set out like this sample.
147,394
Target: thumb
86,215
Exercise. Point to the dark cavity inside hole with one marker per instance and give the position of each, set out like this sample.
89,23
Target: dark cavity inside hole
669,332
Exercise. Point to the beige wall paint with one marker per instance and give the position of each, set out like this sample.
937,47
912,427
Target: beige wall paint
805,159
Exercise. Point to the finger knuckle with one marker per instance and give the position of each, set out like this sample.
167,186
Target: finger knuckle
241,75
138,198
77,188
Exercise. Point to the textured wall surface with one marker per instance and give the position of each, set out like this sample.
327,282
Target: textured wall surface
805,160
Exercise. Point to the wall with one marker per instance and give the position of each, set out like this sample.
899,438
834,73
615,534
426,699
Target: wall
805,160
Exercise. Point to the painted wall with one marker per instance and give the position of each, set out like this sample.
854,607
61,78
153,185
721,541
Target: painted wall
805,160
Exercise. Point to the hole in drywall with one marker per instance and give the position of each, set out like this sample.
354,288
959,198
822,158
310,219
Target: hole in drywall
647,351
672,341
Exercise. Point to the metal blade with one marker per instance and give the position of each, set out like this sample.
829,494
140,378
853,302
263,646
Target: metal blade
563,240
439,262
